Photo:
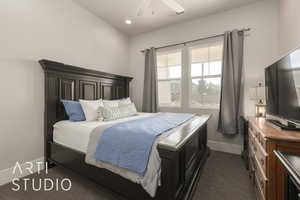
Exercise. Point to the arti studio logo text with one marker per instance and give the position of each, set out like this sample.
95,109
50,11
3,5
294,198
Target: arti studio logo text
37,183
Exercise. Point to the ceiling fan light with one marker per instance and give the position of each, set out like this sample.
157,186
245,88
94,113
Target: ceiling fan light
180,13
174,6
128,21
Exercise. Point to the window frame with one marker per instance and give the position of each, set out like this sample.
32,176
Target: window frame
205,43
185,104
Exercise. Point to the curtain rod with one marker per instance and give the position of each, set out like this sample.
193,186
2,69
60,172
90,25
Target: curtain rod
191,41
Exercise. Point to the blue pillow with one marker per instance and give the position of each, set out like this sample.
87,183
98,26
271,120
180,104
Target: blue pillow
74,110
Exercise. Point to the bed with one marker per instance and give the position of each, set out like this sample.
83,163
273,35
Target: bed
183,151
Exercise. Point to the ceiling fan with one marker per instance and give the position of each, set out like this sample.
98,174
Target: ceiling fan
172,4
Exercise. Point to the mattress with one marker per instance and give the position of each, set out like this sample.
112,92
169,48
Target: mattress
75,135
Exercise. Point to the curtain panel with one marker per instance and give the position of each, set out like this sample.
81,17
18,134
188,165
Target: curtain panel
231,84
150,94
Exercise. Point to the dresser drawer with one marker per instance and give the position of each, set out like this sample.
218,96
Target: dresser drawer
262,141
261,157
260,179
259,137
259,151
259,193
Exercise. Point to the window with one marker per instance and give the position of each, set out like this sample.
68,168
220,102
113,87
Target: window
193,72
169,78
206,71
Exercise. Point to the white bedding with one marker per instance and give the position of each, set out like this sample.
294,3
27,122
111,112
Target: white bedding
84,136
76,135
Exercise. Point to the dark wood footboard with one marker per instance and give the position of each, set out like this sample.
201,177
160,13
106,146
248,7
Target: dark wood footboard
183,152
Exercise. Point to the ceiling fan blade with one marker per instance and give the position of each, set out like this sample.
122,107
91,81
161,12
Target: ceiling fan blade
143,7
174,6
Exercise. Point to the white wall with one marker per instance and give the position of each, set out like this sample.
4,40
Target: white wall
289,25
53,29
261,49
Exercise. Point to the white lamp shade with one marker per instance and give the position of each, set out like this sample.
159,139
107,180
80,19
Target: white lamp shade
252,93
261,93
257,93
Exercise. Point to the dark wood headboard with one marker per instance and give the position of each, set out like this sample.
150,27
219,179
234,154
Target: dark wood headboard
68,82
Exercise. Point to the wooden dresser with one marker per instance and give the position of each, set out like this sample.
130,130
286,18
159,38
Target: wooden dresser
266,172
291,164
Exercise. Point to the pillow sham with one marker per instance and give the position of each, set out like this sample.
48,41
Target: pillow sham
74,110
92,109
111,103
125,101
112,113
117,103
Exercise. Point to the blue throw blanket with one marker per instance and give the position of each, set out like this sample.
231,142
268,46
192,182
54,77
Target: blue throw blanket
128,144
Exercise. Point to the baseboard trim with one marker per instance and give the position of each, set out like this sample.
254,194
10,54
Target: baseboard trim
7,175
225,147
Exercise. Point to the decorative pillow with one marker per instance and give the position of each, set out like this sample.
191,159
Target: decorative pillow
111,103
73,110
92,109
112,113
124,101
116,103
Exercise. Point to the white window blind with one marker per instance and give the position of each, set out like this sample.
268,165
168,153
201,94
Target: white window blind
169,78
206,71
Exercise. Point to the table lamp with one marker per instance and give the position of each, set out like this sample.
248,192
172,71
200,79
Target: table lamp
258,94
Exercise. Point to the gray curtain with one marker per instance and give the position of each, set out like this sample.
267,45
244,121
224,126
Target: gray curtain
150,97
230,102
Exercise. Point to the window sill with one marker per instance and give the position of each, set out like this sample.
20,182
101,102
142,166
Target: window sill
169,107
187,109
204,108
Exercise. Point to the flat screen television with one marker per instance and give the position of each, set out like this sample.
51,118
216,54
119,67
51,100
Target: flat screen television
282,80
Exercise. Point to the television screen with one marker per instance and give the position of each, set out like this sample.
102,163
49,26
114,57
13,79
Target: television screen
283,87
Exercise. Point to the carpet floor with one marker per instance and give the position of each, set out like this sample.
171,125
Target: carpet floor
224,177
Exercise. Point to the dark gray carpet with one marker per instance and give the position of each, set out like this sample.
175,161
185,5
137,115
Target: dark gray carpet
224,177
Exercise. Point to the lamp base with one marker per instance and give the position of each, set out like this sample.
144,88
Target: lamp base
260,115
260,110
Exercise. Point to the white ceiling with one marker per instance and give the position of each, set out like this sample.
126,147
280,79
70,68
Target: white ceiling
116,12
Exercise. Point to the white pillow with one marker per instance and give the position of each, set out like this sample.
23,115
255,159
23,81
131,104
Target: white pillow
92,109
112,113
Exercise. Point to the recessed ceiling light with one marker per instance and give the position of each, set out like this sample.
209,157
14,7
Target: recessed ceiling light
128,21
